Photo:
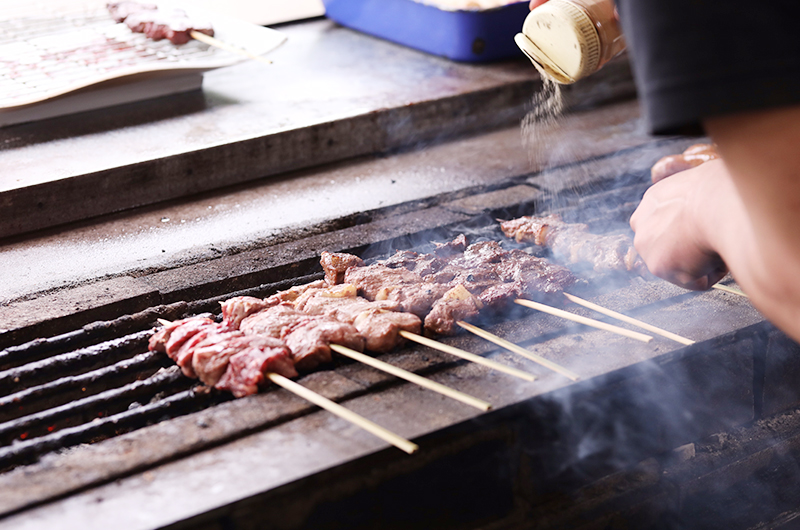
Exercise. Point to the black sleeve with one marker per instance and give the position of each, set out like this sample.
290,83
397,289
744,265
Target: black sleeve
694,59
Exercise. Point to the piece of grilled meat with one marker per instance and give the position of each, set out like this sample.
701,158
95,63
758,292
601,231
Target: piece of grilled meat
572,243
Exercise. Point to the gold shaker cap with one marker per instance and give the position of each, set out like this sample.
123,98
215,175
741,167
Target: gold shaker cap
561,39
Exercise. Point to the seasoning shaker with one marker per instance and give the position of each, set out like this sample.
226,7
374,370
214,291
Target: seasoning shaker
571,39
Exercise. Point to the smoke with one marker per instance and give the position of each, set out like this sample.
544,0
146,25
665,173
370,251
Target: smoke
631,407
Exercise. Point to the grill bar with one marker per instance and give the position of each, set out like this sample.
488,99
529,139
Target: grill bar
67,389
88,409
39,349
183,402
72,363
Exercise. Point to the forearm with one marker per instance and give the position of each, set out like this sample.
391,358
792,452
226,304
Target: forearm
754,225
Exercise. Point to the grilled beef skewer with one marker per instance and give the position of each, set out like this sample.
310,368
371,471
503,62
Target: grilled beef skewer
293,329
307,336
378,322
171,24
453,283
573,243
239,363
220,357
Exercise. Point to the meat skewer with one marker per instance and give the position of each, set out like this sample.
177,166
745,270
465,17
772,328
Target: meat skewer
584,320
220,357
341,302
412,377
307,320
344,413
629,320
379,321
572,243
510,346
455,282
269,320
477,359
229,360
373,318
172,24
308,338
728,289
465,280
459,281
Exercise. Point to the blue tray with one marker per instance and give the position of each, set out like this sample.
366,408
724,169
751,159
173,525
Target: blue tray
471,36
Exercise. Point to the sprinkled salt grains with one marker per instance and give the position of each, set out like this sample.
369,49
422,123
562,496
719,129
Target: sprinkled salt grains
548,104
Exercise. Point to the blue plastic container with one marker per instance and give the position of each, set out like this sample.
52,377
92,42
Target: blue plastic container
471,36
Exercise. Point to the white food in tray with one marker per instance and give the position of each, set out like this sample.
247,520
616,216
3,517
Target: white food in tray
467,5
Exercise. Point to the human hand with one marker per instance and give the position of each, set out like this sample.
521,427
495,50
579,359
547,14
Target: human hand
691,157
671,225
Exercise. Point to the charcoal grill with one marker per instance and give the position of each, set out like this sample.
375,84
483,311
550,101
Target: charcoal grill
94,426
98,433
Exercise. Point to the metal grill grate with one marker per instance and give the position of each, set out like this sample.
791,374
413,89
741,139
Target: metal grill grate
98,382
90,394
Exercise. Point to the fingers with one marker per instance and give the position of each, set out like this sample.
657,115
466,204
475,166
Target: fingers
690,281
638,212
666,235
668,166
698,273
692,157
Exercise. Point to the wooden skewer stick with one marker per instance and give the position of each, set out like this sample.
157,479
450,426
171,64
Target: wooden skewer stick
412,377
164,322
346,414
510,346
584,320
629,320
731,290
468,356
211,41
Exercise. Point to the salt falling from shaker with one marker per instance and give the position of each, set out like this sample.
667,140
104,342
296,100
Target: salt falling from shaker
547,106
565,40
